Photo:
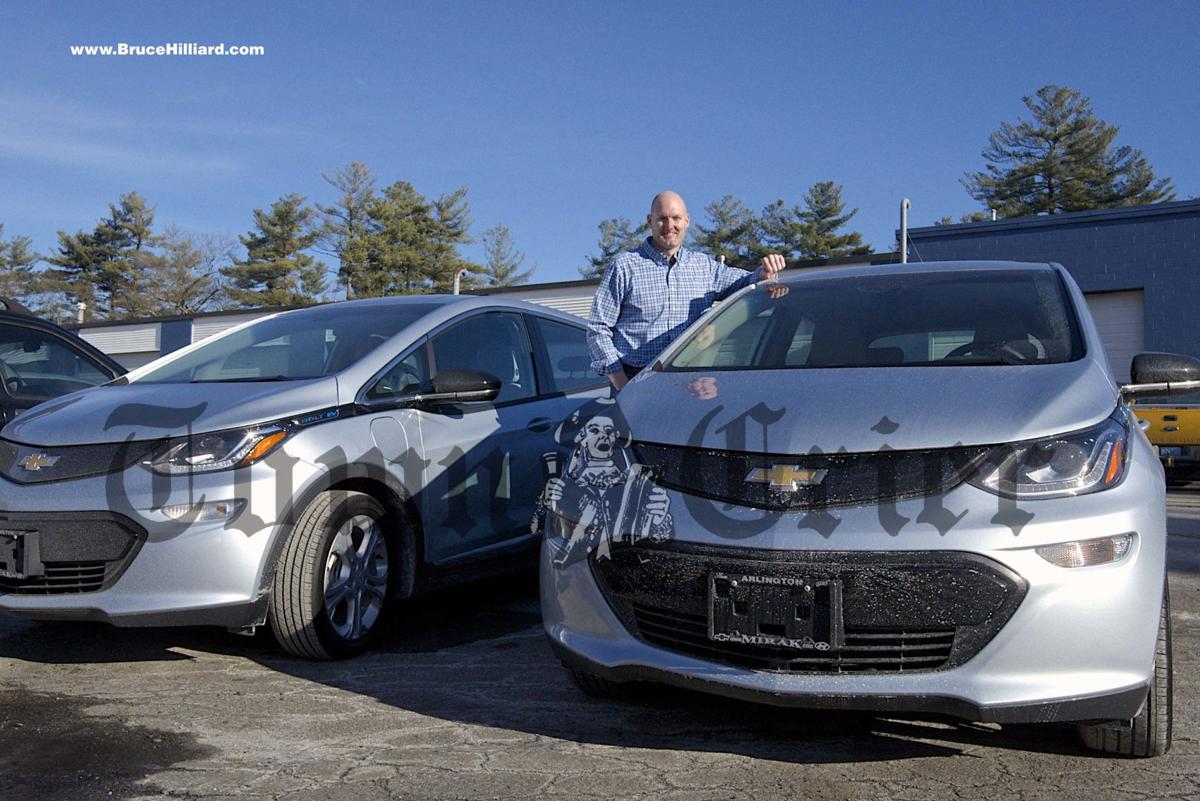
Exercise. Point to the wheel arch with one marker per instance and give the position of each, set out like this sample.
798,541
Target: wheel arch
370,480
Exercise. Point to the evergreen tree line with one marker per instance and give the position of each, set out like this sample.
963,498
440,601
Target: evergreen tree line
386,242
1061,158
395,240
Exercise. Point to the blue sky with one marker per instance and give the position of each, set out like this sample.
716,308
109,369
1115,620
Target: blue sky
557,115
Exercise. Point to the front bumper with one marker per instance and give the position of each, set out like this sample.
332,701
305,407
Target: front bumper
173,572
1079,645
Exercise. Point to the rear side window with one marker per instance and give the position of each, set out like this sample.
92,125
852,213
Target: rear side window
567,353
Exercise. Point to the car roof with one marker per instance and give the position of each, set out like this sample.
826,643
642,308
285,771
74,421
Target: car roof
447,305
911,268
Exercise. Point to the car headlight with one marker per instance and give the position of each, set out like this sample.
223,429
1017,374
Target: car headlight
219,450
1054,467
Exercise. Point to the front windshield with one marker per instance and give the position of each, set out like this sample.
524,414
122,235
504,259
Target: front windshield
975,317
308,343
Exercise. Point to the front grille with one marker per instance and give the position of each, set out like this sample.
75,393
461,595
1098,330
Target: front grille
59,578
890,650
76,551
846,479
897,611
69,461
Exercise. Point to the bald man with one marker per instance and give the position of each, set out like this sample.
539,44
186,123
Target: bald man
650,295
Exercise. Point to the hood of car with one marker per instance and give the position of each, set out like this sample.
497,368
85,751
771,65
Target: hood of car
140,411
859,410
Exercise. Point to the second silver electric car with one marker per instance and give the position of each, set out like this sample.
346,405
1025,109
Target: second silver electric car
307,468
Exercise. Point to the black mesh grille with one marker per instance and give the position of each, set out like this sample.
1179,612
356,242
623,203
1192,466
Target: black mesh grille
821,480
33,464
892,650
901,611
60,577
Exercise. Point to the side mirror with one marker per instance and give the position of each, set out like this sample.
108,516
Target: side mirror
462,386
450,386
1162,374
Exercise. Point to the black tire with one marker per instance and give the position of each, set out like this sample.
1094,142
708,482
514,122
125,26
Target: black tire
299,615
1148,734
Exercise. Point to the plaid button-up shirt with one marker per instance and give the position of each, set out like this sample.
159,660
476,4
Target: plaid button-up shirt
644,302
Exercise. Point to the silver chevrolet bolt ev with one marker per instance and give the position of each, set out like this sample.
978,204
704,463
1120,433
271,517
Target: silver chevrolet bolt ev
913,488
307,468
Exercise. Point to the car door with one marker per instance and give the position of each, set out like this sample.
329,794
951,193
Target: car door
396,430
482,459
37,365
564,371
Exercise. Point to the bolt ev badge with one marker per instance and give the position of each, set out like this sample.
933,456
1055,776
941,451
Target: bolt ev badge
36,461
786,477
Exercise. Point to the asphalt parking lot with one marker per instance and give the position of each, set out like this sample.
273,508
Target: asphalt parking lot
464,700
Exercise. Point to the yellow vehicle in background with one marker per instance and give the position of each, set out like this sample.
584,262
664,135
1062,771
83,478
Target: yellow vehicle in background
1175,429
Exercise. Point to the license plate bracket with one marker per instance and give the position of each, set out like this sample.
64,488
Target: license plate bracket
20,554
800,614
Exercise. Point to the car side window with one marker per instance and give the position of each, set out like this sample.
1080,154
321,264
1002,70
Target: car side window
33,363
406,377
492,343
567,353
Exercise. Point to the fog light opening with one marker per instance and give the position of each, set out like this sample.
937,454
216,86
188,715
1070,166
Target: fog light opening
1087,553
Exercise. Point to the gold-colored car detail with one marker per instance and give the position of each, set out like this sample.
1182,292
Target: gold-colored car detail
786,477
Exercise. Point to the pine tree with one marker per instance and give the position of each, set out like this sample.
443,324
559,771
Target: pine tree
502,261
16,267
105,268
451,228
400,220
733,231
823,216
969,217
277,271
1062,159
128,238
347,222
782,230
616,234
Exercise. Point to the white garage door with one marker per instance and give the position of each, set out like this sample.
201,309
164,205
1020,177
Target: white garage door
1120,316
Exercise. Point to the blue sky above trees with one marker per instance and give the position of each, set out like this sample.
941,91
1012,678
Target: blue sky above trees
556,116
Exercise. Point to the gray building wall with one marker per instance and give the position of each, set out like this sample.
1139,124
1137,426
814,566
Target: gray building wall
1152,248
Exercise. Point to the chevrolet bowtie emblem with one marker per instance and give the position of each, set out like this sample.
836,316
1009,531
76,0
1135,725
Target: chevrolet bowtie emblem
36,461
786,477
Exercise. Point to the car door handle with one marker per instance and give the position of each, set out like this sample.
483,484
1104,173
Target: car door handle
1171,428
540,424
1170,418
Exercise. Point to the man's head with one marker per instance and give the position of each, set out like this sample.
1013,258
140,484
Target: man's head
668,220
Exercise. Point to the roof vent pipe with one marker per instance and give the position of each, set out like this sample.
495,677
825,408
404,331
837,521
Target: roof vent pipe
905,205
